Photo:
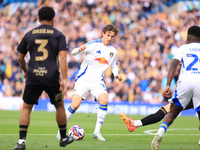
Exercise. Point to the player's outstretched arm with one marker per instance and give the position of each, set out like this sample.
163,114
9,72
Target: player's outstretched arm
78,50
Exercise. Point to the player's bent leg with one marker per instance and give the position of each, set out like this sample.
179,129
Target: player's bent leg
150,119
156,117
174,111
167,121
76,101
129,122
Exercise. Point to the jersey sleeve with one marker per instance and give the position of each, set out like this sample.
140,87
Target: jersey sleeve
114,65
22,47
178,55
63,46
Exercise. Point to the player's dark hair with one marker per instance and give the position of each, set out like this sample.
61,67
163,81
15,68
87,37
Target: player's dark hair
194,30
109,28
46,13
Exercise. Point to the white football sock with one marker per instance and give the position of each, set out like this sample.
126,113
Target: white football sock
101,115
138,123
69,115
21,141
161,131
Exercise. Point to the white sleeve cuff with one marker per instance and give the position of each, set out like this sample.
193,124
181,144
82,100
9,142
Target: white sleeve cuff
75,51
115,71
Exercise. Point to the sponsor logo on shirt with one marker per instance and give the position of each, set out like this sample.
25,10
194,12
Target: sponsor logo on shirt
40,71
102,60
98,51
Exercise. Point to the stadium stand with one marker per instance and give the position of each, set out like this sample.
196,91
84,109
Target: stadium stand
148,38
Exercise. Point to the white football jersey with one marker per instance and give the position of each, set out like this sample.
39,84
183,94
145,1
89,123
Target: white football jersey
189,55
97,59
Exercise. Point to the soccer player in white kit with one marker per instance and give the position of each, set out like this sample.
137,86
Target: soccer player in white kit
100,54
188,84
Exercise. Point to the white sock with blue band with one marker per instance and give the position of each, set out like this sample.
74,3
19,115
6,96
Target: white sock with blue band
101,115
70,112
163,128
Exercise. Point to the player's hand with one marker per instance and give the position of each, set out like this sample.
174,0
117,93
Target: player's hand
167,91
25,75
63,87
118,77
82,48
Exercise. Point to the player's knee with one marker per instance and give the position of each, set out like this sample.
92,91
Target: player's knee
59,104
75,106
103,101
76,102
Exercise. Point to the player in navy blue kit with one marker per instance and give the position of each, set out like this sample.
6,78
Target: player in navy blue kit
45,45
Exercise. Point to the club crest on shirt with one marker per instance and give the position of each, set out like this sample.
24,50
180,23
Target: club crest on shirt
111,54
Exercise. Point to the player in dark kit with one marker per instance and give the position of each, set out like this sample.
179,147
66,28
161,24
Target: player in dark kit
44,45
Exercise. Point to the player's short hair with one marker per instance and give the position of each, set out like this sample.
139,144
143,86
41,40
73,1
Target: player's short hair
46,13
194,30
110,27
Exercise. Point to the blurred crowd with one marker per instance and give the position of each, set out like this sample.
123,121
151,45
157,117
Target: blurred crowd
146,43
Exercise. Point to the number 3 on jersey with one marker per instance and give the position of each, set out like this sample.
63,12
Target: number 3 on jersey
189,67
41,48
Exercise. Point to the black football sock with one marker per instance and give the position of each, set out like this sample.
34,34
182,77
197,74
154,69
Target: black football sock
62,129
22,131
154,118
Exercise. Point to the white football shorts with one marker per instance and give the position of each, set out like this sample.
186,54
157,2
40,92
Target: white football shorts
82,87
187,88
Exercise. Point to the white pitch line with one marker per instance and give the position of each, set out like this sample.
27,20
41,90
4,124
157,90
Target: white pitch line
149,132
109,134
85,134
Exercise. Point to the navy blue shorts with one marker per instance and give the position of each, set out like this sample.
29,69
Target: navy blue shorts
32,93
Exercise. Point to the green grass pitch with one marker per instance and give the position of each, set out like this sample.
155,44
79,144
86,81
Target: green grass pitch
183,133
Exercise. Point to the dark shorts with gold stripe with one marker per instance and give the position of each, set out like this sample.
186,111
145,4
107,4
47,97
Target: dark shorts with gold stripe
32,93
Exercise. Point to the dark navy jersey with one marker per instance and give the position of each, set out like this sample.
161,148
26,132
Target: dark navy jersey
43,44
